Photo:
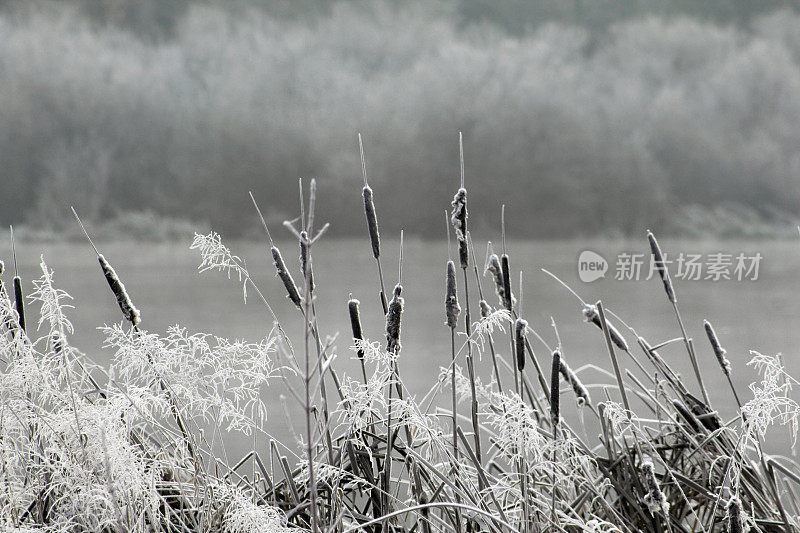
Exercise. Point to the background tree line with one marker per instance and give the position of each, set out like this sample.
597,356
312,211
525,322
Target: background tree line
583,117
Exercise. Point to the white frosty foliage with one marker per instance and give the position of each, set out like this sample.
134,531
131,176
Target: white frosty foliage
211,377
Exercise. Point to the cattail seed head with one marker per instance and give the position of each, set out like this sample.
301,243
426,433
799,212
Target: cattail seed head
452,309
57,342
719,351
459,220
393,321
654,499
581,392
372,221
355,323
554,388
661,267
305,265
486,310
493,266
687,415
20,301
591,315
2,267
519,336
125,304
735,522
285,276
507,299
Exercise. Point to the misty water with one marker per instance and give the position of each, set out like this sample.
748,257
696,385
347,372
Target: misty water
164,283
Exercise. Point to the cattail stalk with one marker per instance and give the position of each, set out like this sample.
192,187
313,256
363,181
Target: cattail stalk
555,376
305,265
452,308
286,277
734,518
125,304
658,259
662,269
372,224
459,220
393,346
655,498
581,392
555,372
358,335
19,298
520,327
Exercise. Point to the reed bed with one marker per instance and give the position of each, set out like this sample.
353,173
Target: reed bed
139,445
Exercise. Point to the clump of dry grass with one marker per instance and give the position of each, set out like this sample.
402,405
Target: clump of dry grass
84,448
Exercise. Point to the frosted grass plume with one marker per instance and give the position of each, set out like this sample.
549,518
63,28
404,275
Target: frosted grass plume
661,267
393,318
452,309
719,351
129,311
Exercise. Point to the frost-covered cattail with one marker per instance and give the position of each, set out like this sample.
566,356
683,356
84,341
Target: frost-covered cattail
285,276
591,315
393,320
372,221
654,499
735,522
581,392
554,388
125,304
486,310
304,263
687,415
719,351
452,309
459,220
355,323
20,301
493,266
57,342
508,302
661,266
519,337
